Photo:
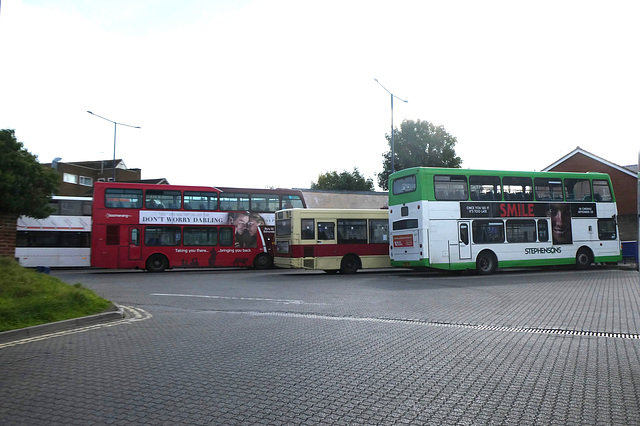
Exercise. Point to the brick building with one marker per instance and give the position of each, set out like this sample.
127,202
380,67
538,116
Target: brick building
77,178
624,180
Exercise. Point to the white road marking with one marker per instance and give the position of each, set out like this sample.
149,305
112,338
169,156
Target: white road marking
133,315
253,299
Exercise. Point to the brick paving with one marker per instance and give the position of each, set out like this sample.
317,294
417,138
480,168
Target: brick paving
281,348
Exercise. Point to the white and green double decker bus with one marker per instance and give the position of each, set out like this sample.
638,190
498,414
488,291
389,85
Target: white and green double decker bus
456,219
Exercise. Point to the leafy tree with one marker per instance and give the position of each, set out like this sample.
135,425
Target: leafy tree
419,144
25,186
343,181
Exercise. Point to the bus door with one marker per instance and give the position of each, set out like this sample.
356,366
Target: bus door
464,243
134,243
325,250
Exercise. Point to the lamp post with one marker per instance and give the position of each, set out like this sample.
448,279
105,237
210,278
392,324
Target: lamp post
393,153
115,126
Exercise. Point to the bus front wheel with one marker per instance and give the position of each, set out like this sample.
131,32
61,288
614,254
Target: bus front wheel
486,263
584,258
349,264
157,263
262,261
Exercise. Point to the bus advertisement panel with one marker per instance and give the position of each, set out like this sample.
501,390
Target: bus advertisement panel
478,219
332,239
156,227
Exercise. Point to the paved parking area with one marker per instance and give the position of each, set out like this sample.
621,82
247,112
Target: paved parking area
274,347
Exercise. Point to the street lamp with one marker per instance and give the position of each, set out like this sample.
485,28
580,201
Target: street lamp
115,126
393,152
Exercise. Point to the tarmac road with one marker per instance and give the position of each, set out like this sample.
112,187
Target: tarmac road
300,347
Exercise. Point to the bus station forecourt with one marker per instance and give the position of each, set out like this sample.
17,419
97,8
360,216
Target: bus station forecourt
237,346
526,345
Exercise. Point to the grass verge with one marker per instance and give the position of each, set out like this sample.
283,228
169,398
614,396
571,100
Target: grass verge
29,298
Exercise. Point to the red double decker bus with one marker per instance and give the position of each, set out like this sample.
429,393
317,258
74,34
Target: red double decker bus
158,227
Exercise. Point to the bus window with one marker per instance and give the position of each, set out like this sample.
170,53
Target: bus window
123,198
399,225
200,236
234,202
265,203
521,231
488,232
378,231
53,239
162,236
283,227
602,191
404,184
135,237
548,189
196,200
607,229
517,188
226,236
464,234
292,202
485,188
162,199
352,231
450,188
543,231
326,230
307,231
577,189
71,207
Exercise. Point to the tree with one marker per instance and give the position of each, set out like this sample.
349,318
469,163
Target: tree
25,188
419,144
344,181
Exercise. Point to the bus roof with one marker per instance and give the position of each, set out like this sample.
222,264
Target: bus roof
131,185
479,172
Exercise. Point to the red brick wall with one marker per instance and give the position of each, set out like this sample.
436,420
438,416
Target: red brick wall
624,187
8,223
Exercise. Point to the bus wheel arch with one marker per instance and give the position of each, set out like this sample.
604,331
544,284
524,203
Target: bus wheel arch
584,258
486,262
350,264
263,261
157,263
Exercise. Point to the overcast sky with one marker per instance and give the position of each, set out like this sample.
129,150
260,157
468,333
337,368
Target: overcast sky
273,93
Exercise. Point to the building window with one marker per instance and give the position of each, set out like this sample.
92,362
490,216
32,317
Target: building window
69,178
86,181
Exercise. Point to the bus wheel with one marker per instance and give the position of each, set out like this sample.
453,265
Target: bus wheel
486,263
157,263
349,264
584,258
262,261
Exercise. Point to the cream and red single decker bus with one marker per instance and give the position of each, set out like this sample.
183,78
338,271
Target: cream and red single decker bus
456,219
158,227
332,239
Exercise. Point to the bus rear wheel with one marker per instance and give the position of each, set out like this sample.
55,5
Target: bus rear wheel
486,263
584,258
349,264
157,263
262,261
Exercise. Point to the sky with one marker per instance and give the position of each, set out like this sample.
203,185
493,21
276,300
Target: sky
273,93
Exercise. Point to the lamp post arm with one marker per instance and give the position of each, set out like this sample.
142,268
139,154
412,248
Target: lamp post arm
393,153
115,128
